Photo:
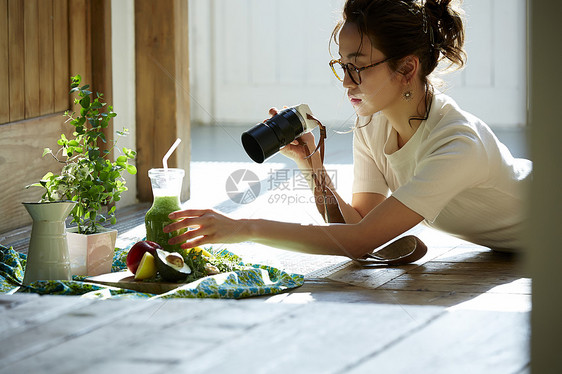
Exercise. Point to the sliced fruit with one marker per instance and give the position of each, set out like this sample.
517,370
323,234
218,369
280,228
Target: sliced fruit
137,251
171,266
203,251
147,267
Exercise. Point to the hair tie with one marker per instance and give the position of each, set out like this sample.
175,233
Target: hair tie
427,27
424,19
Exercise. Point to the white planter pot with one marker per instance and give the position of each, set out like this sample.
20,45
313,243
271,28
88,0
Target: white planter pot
91,254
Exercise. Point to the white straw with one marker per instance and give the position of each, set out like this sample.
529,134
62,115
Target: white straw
167,155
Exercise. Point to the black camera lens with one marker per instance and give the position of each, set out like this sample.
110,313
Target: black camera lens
265,139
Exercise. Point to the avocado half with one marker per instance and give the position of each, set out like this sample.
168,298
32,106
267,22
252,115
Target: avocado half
171,266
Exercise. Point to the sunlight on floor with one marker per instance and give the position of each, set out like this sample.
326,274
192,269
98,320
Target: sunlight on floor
294,298
497,300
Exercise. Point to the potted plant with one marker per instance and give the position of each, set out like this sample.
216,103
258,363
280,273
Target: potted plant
90,179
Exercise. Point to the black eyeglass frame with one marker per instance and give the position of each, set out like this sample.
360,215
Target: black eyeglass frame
348,66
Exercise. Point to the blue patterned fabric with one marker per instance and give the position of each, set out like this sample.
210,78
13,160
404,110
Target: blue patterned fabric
253,281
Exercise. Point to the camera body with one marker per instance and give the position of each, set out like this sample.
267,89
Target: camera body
265,139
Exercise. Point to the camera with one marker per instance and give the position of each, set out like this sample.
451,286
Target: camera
265,139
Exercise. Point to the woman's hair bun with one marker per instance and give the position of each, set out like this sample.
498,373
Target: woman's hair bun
446,21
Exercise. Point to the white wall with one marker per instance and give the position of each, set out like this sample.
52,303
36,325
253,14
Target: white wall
123,66
494,84
249,55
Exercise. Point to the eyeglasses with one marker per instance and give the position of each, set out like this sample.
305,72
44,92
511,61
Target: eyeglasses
339,69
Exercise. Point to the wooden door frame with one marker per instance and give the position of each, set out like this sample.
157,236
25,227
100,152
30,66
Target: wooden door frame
162,89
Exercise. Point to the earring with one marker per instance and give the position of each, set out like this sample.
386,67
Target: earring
408,95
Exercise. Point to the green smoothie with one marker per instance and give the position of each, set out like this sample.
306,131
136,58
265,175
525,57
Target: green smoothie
157,217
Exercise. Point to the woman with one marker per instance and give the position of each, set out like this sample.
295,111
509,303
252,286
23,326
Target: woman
442,165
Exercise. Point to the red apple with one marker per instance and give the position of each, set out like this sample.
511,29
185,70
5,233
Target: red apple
137,251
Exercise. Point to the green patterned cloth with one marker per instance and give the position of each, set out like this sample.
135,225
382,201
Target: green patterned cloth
254,281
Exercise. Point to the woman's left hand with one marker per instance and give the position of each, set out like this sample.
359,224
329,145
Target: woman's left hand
204,226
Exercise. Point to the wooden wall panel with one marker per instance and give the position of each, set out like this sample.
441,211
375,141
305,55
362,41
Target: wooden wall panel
34,58
20,154
79,39
4,67
47,42
100,11
46,58
16,60
61,70
31,42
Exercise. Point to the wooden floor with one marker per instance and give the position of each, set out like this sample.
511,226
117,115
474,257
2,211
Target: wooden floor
460,309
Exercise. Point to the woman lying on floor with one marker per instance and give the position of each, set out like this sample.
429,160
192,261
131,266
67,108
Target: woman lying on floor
441,164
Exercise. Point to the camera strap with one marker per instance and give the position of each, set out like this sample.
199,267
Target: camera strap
404,250
326,202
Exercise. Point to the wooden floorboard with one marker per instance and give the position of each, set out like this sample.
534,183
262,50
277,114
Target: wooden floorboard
201,336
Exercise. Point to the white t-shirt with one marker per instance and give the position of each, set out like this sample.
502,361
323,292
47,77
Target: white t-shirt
453,171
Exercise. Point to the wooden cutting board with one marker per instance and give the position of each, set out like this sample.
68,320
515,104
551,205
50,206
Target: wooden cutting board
125,279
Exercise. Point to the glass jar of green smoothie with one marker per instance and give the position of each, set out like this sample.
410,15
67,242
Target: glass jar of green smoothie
166,189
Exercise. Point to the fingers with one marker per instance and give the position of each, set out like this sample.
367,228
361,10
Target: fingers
273,111
201,225
187,236
186,218
181,224
289,147
188,213
195,242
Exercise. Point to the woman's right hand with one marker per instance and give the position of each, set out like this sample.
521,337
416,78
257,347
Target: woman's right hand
295,150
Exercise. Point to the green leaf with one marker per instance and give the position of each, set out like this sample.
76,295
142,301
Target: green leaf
33,185
121,159
93,154
131,169
85,102
75,81
46,151
96,104
129,153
